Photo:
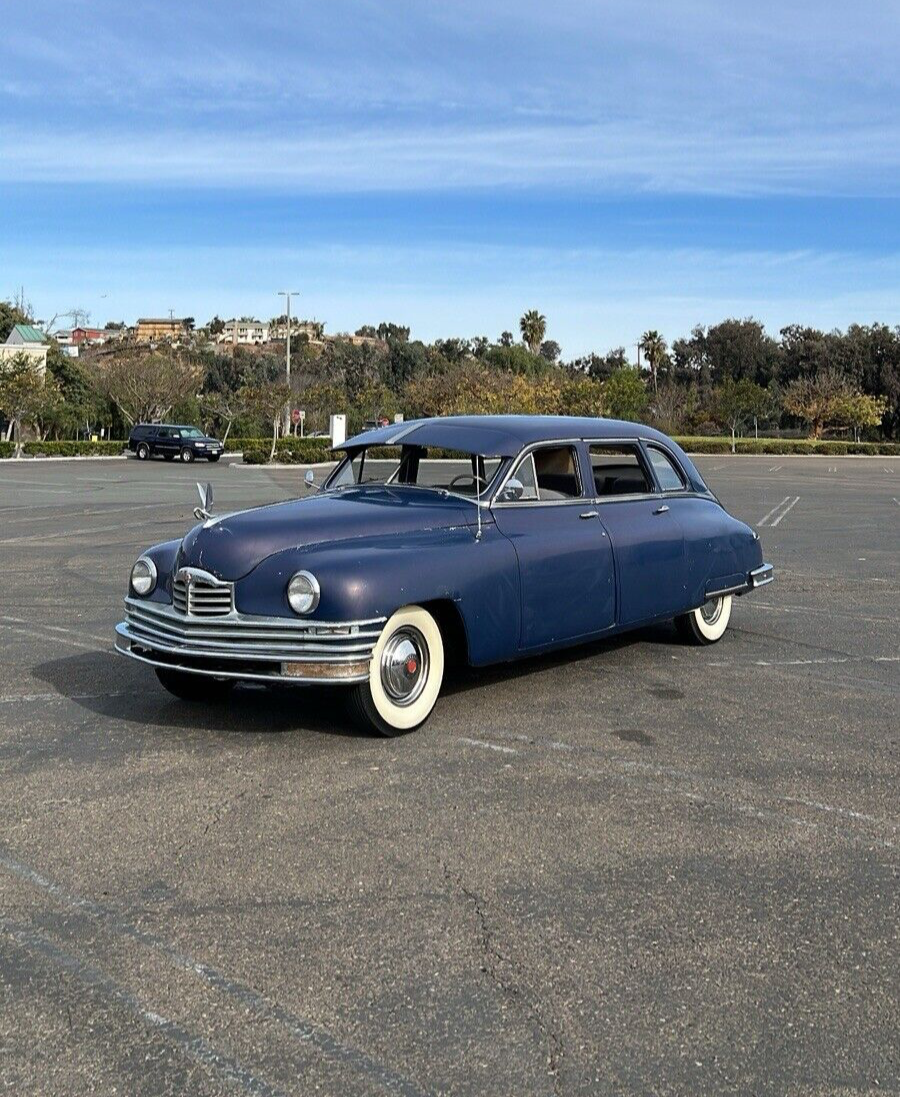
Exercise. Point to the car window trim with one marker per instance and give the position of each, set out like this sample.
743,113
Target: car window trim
581,498
676,464
643,461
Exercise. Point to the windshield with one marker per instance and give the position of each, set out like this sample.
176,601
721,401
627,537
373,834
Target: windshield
465,474
191,432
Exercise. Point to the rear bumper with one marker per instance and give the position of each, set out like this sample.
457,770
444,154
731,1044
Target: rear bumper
246,647
761,575
741,584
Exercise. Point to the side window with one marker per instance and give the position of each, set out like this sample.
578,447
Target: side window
165,433
668,476
618,471
526,476
556,471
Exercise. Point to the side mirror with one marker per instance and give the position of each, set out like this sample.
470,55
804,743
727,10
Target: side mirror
513,491
310,479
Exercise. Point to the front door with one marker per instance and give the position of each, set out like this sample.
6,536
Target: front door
567,578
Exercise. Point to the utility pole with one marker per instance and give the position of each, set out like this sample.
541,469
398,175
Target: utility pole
287,295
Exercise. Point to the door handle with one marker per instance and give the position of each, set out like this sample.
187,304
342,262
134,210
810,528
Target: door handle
589,514
661,510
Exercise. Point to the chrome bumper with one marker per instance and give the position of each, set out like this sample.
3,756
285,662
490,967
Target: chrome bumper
244,646
761,575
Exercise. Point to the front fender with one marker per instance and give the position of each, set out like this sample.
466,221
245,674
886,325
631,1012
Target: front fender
371,577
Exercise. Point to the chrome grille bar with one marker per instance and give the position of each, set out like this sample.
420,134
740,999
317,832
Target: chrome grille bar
245,636
197,593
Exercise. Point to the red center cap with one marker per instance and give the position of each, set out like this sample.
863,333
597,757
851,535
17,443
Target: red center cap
411,665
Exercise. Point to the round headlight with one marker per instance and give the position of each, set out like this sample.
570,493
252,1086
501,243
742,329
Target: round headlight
143,576
303,592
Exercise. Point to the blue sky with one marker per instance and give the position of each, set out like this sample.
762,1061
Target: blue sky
618,164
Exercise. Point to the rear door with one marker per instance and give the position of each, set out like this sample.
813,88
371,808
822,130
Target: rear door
646,535
567,579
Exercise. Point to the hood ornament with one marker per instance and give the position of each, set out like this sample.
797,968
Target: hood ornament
203,512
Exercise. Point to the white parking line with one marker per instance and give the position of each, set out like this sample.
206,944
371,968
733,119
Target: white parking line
790,505
807,662
305,1032
487,746
775,468
832,468
777,506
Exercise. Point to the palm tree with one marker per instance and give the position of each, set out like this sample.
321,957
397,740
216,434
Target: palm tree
533,327
654,346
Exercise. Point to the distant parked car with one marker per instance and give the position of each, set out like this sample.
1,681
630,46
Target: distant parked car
544,532
170,441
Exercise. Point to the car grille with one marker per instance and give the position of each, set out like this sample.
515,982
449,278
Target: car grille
196,593
246,636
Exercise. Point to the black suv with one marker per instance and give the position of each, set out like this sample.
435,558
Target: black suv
165,440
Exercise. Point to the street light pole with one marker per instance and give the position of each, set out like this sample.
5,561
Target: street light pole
287,295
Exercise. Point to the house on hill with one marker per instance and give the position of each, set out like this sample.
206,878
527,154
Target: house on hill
25,339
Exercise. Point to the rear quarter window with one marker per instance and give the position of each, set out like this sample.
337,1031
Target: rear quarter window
670,479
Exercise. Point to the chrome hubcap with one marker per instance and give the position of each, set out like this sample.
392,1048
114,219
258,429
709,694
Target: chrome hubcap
711,611
404,666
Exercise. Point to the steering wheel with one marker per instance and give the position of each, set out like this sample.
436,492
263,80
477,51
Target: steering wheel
474,477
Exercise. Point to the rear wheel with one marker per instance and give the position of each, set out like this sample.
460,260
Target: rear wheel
187,455
405,675
707,624
142,452
194,687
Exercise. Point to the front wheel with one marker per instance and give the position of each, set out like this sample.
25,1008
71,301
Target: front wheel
187,455
142,452
405,675
707,624
194,687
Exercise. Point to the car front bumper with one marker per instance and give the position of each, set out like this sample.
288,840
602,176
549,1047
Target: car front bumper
248,647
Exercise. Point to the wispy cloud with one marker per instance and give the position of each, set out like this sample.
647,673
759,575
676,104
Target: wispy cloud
610,158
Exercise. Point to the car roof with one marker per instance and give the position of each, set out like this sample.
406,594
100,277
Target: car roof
499,435
171,426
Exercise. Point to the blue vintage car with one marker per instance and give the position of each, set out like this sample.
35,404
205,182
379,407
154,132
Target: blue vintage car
473,538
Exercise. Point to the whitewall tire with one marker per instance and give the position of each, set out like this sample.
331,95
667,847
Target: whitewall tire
708,623
405,674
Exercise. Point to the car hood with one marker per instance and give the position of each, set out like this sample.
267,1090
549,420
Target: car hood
231,546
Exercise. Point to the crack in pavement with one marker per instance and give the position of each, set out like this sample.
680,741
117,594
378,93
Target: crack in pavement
493,961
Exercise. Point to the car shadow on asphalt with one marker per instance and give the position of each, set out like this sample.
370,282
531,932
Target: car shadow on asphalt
132,694
463,679
129,692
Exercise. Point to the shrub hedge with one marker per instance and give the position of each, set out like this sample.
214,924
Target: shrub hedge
65,449
304,451
288,451
787,446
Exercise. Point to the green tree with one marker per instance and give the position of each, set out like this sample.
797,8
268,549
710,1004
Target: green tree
654,347
533,327
856,410
624,394
27,394
146,386
550,350
266,402
818,400
10,315
735,402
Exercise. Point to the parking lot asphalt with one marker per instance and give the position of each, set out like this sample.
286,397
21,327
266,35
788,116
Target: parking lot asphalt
634,867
